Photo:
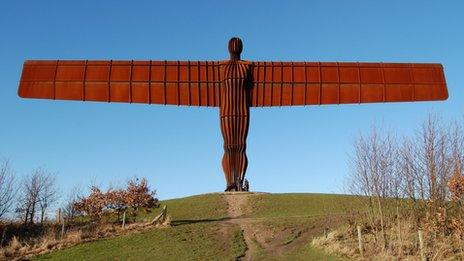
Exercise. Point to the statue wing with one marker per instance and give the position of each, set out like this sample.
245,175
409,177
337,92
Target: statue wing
316,83
192,83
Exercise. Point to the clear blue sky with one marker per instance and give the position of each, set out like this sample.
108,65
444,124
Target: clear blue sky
293,149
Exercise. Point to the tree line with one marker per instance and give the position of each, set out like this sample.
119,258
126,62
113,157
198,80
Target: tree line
34,218
32,198
28,199
411,183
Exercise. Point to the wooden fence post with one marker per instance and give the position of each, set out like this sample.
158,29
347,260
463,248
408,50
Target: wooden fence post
165,212
161,217
62,228
59,215
3,235
421,246
360,242
124,219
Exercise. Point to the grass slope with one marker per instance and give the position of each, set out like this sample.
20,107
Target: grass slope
207,207
291,219
284,223
299,204
192,241
195,234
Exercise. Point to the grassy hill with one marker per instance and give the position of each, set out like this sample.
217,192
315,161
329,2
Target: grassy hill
268,227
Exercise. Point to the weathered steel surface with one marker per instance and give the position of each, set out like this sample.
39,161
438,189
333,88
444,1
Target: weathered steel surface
314,83
234,86
198,83
234,114
159,82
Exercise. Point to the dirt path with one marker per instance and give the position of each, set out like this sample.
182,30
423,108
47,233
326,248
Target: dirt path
275,239
237,206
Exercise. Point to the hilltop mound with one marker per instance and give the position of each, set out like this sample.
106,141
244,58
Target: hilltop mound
226,226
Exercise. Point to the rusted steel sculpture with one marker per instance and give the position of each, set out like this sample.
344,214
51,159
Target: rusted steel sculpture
234,86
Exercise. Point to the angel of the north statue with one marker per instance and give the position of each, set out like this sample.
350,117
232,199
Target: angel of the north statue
234,86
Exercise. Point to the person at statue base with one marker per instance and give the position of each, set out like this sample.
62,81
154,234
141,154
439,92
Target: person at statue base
246,185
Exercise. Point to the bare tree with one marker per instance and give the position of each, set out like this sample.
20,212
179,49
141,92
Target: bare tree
373,171
7,192
28,198
47,194
69,208
414,183
433,155
457,148
37,193
423,175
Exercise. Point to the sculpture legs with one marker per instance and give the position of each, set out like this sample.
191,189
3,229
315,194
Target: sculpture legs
234,163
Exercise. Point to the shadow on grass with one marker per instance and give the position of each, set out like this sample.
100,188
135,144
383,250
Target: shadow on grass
194,221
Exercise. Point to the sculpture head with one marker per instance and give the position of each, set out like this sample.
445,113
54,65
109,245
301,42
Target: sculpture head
235,48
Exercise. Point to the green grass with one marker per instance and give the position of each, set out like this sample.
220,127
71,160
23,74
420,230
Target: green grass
239,246
290,238
308,253
259,250
300,205
298,212
187,242
195,208
208,206
200,207
197,234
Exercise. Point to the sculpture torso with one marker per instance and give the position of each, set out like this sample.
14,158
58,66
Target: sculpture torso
234,94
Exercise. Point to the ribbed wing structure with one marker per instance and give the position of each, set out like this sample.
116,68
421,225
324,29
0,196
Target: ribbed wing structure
315,83
192,83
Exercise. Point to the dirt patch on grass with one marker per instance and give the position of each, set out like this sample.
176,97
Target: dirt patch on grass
237,203
278,237
272,237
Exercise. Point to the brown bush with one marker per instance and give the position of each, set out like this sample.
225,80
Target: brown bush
136,196
94,204
456,186
139,196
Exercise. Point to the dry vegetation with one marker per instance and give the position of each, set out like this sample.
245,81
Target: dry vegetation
410,186
137,196
52,239
84,218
